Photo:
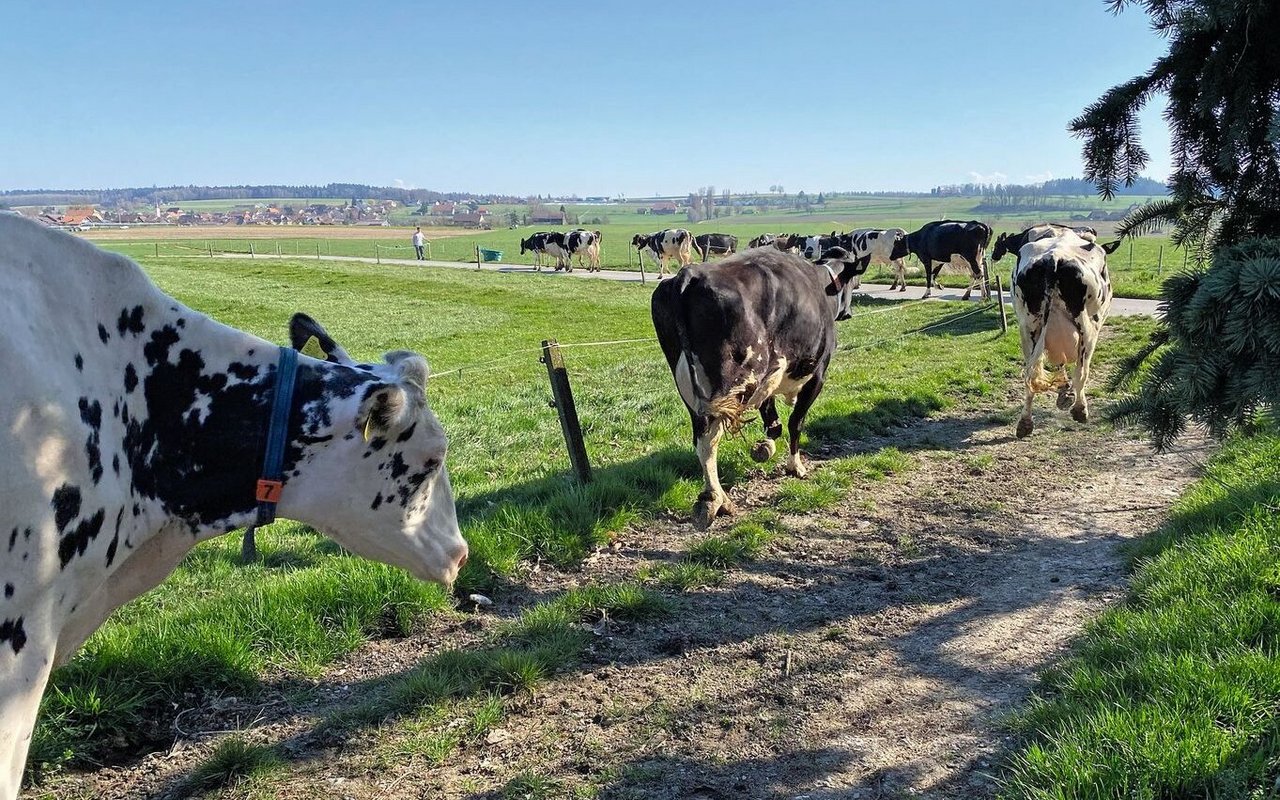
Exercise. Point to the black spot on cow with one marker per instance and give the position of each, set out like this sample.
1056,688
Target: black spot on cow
11,631
115,463
408,433
182,322
130,321
1072,289
243,372
66,507
157,350
76,541
398,467
1033,284
130,377
79,362
377,501
115,539
8,590
13,539
91,413
137,510
102,333
377,443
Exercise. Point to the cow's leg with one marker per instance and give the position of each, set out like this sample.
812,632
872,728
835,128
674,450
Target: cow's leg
713,501
1088,341
929,276
24,677
977,272
804,400
764,449
1066,395
846,302
899,276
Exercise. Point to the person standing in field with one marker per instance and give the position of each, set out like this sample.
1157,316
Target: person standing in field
418,241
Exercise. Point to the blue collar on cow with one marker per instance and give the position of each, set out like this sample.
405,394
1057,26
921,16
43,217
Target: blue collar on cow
270,485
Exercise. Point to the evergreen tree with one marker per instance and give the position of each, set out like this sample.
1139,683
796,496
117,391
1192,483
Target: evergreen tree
1217,358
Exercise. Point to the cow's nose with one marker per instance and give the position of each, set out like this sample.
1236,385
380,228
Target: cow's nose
462,562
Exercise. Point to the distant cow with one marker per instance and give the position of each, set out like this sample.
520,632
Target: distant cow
546,244
888,246
586,246
963,244
763,240
673,243
739,333
815,246
1013,242
720,244
1061,294
133,427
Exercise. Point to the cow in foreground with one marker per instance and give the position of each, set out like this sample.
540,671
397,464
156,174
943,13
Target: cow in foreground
1061,294
718,244
133,427
951,242
673,243
1013,242
740,333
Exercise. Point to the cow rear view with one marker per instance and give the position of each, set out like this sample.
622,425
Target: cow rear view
739,334
1061,294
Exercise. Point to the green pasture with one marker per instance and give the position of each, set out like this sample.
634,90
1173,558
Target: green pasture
1138,268
217,627
1174,693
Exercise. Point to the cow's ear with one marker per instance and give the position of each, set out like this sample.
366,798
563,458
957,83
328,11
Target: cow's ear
1111,247
390,408
308,337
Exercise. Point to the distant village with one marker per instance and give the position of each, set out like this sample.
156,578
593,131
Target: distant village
372,212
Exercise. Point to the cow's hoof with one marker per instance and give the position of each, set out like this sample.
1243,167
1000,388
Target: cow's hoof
1066,398
1080,413
763,451
797,469
727,508
704,513
1025,427
842,317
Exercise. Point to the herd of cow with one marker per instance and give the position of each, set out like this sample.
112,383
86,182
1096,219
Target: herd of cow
134,427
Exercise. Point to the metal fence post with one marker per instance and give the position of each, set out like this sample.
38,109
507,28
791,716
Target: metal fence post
565,408
1004,314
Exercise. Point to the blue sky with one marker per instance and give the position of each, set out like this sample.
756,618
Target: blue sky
589,98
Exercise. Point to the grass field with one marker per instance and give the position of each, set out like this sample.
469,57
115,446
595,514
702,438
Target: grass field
1173,694
217,627
1137,268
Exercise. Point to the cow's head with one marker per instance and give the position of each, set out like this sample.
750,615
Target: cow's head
639,240
526,245
379,487
1004,244
842,268
900,248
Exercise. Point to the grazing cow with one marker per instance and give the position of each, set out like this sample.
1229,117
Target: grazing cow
763,240
1013,242
673,243
1061,293
753,327
586,246
887,246
538,245
963,244
133,427
708,244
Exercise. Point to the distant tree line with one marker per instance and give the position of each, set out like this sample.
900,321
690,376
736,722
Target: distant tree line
1054,193
178,194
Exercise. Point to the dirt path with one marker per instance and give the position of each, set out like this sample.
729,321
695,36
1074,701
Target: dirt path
870,652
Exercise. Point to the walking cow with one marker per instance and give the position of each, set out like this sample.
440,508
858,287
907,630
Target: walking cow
673,243
1061,294
133,427
720,244
963,244
736,335
885,247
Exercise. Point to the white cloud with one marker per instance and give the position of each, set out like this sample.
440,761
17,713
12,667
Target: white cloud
1041,178
991,177
400,184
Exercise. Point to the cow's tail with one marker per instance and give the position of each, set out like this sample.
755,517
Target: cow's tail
1037,379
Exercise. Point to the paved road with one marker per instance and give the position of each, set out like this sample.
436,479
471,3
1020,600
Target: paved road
1120,306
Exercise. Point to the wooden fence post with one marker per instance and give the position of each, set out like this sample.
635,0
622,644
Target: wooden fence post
477,258
277,248
1131,255
1160,263
1004,314
640,259
210,245
377,252
565,408
157,249
317,249
250,248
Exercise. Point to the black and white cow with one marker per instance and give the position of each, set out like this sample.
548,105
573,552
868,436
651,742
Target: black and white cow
815,246
763,240
1013,242
887,246
952,242
737,334
719,244
673,243
585,245
544,244
1061,294
133,427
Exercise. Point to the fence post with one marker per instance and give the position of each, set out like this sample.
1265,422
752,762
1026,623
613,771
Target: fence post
567,411
1130,255
250,248
478,266
377,252
317,249
210,245
1004,314
640,259
1160,263
248,546
157,244
277,248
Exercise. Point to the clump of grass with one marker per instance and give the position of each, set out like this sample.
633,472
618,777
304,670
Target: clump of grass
742,542
233,760
684,576
529,785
